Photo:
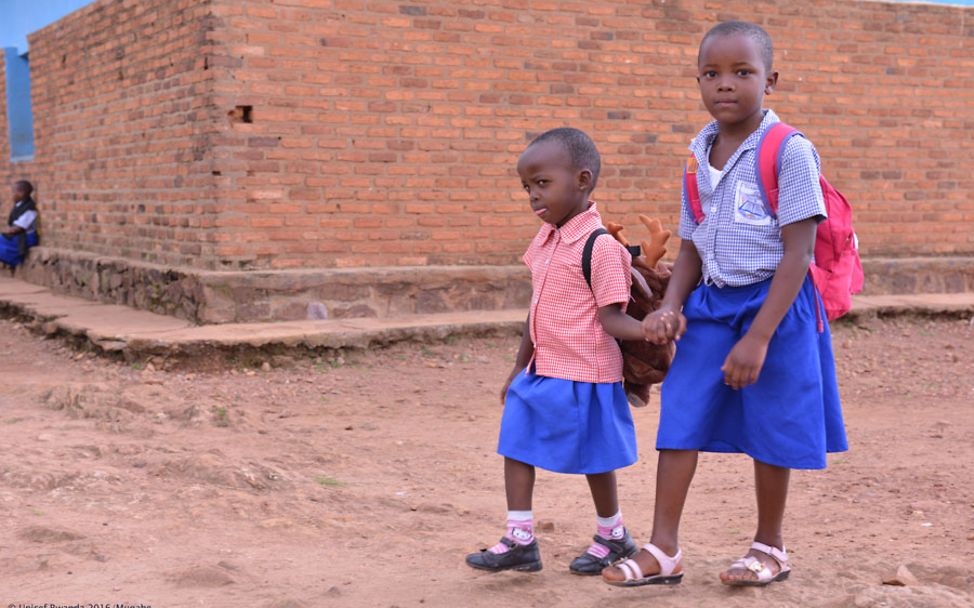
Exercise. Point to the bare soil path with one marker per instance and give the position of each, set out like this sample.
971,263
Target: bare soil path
363,481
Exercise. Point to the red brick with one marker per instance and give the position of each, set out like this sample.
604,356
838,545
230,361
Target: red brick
407,117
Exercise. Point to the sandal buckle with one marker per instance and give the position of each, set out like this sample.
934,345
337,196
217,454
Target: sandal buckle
756,566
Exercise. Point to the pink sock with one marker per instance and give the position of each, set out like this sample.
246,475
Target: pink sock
519,530
610,528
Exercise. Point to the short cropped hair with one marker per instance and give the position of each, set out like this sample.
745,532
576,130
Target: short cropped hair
24,185
581,149
753,31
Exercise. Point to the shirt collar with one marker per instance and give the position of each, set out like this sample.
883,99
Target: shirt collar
581,225
707,134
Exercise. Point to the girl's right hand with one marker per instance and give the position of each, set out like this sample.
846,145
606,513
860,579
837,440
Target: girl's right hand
664,325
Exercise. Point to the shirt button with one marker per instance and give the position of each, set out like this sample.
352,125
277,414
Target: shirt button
713,209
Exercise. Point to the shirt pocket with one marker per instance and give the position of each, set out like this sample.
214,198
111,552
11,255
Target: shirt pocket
749,208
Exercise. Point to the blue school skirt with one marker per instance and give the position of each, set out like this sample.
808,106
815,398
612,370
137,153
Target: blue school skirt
10,248
567,426
789,418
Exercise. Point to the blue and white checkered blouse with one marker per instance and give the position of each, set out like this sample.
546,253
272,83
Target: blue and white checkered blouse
738,241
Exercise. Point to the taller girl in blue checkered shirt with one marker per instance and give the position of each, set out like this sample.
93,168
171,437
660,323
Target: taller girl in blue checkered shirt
753,371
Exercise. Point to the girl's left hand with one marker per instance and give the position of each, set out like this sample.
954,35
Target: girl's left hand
743,364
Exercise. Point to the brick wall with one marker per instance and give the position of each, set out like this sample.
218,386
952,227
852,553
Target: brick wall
122,123
385,132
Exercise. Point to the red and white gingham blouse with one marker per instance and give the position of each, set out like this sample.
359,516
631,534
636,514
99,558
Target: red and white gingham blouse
569,341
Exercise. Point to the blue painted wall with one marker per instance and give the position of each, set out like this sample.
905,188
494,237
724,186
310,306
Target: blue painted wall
20,119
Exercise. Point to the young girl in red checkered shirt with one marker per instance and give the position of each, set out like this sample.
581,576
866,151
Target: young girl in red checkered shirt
564,406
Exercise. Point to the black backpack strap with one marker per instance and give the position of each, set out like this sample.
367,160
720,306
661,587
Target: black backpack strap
634,250
587,254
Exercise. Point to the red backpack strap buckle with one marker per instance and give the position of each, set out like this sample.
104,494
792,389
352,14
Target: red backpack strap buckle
691,189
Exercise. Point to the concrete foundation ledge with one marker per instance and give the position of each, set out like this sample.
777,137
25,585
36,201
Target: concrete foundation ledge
889,276
176,292
218,297
205,296
138,335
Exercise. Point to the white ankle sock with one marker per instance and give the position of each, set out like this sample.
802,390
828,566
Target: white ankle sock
520,529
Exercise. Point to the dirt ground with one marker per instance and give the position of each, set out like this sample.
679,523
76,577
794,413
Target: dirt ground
363,480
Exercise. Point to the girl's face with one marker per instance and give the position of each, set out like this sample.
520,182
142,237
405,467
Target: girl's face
733,80
557,190
20,194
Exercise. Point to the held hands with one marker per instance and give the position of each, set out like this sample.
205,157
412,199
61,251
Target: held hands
743,364
664,325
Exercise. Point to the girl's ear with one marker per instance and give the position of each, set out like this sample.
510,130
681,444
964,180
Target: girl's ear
584,179
771,83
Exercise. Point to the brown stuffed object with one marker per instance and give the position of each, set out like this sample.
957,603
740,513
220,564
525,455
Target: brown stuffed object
645,363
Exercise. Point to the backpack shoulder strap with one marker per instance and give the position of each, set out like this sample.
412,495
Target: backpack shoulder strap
587,254
768,162
691,189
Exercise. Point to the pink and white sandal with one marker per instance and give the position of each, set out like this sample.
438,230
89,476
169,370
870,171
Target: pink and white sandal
667,574
763,573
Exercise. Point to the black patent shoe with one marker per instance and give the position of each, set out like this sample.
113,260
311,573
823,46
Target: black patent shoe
520,558
587,564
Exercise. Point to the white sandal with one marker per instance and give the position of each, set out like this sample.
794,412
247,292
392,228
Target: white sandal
759,568
666,576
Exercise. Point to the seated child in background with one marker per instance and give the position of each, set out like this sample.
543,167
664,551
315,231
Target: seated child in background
20,233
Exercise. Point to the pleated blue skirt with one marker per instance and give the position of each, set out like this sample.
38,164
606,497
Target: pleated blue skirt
567,426
791,417
10,248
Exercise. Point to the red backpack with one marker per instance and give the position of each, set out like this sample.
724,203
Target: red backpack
837,270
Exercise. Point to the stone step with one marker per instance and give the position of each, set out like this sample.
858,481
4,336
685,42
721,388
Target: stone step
257,296
916,304
138,334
